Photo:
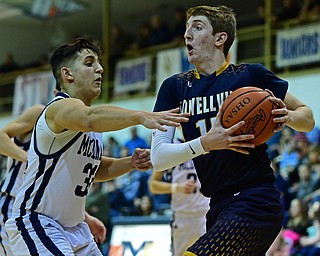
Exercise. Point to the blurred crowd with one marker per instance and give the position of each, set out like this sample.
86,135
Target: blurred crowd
160,30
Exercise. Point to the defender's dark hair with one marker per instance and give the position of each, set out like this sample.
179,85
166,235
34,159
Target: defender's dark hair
66,53
222,19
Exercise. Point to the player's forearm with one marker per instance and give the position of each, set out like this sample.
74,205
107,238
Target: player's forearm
111,168
160,187
110,118
301,119
9,148
174,154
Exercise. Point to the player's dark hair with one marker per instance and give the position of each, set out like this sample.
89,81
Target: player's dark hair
66,53
222,19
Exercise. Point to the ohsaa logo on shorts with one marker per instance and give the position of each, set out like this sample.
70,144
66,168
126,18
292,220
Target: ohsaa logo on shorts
154,132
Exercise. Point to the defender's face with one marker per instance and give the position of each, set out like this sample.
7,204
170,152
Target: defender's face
87,74
199,40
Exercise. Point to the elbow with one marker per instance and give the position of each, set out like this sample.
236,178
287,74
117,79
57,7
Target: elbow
152,188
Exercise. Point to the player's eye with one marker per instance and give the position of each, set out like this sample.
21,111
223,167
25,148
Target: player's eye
198,27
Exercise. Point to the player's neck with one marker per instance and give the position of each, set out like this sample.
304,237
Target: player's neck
211,67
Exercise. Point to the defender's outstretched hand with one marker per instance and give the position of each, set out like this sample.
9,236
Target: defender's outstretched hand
219,138
156,120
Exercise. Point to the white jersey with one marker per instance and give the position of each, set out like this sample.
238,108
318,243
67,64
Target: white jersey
61,169
15,169
189,210
187,203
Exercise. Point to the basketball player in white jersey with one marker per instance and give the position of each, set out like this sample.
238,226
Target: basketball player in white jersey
65,157
15,142
188,205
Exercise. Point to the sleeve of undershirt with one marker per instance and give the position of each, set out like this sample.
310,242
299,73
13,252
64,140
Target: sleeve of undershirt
165,154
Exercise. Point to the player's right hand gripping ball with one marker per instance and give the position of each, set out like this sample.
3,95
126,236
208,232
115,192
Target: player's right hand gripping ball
252,105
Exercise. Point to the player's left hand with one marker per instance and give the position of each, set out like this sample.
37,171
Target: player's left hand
281,114
140,159
97,228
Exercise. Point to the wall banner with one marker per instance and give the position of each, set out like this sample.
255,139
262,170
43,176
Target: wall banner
132,75
298,45
31,89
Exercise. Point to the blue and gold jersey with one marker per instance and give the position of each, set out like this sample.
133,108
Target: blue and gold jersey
222,172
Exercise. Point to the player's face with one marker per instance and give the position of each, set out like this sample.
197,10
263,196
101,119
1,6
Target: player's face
199,40
87,74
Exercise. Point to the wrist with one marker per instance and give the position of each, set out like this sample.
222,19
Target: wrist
174,188
140,116
204,144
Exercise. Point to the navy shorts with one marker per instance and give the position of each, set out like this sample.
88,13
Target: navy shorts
244,223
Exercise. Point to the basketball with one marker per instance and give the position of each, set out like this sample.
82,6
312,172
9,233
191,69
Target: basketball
252,105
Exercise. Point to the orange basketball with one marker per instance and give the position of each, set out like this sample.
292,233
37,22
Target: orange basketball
252,105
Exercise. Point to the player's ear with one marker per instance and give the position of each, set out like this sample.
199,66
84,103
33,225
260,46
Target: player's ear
221,38
66,74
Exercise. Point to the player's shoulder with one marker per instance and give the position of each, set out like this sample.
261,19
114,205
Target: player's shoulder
245,66
187,76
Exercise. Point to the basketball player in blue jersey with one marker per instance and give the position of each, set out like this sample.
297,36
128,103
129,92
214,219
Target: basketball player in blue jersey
65,157
188,205
245,213
15,142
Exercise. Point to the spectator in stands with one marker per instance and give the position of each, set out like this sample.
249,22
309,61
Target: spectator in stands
112,147
179,24
261,10
314,160
143,206
302,146
132,186
160,31
297,223
116,197
143,40
9,64
310,10
306,184
119,43
135,141
289,156
310,244
42,60
281,183
290,10
314,135
297,218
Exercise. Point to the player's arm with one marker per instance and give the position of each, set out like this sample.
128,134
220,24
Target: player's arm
111,168
216,138
97,228
293,113
20,126
157,186
73,114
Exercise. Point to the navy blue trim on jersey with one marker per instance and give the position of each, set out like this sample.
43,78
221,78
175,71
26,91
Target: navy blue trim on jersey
45,181
5,206
14,175
58,153
15,166
26,237
59,96
46,241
